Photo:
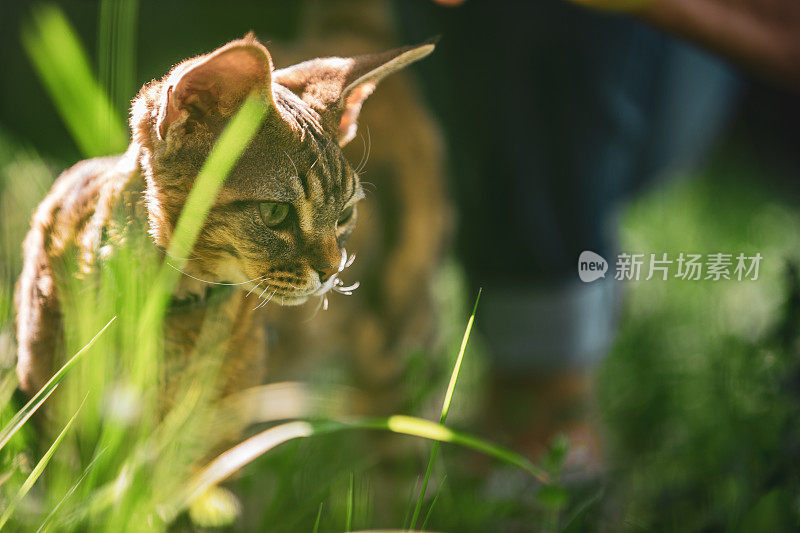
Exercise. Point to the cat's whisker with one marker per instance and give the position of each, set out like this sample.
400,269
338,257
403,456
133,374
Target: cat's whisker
209,281
257,285
337,284
265,302
264,291
346,289
316,310
296,172
342,262
368,186
363,164
270,298
369,150
363,152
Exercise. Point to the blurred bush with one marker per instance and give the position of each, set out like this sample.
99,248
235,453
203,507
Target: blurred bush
700,393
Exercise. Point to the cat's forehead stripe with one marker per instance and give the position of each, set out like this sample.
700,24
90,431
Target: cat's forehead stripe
329,170
305,217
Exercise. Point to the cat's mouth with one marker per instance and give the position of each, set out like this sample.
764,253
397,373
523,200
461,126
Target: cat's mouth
321,289
335,283
267,292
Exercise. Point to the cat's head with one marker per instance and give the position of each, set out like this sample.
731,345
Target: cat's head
287,207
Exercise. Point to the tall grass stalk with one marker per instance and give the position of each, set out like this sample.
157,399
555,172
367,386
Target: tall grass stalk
22,416
219,163
63,66
318,519
348,523
116,50
433,503
36,472
448,398
242,454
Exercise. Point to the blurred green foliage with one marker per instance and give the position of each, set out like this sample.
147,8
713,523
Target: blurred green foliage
65,70
700,393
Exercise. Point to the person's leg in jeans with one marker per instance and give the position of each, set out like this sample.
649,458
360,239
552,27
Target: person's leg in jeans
553,114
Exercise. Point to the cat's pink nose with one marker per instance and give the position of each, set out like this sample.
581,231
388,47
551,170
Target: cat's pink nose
326,272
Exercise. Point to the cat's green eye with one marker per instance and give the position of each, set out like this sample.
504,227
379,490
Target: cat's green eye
345,216
273,213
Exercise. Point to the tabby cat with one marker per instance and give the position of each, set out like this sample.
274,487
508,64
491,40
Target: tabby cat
278,225
368,339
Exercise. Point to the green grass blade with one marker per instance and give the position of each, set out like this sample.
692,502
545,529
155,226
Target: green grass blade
116,50
318,520
234,459
424,488
448,398
407,514
230,145
6,476
419,427
451,387
348,524
37,470
245,452
573,522
7,387
22,416
433,504
51,515
63,67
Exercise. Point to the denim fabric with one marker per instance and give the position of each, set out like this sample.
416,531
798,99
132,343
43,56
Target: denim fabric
554,115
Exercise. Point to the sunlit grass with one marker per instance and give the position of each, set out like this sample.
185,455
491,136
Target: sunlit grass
63,66
22,416
220,161
35,473
116,47
448,398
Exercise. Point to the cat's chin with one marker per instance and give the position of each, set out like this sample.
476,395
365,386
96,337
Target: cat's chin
290,301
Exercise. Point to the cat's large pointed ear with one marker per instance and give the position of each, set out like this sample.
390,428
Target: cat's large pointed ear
337,86
211,88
